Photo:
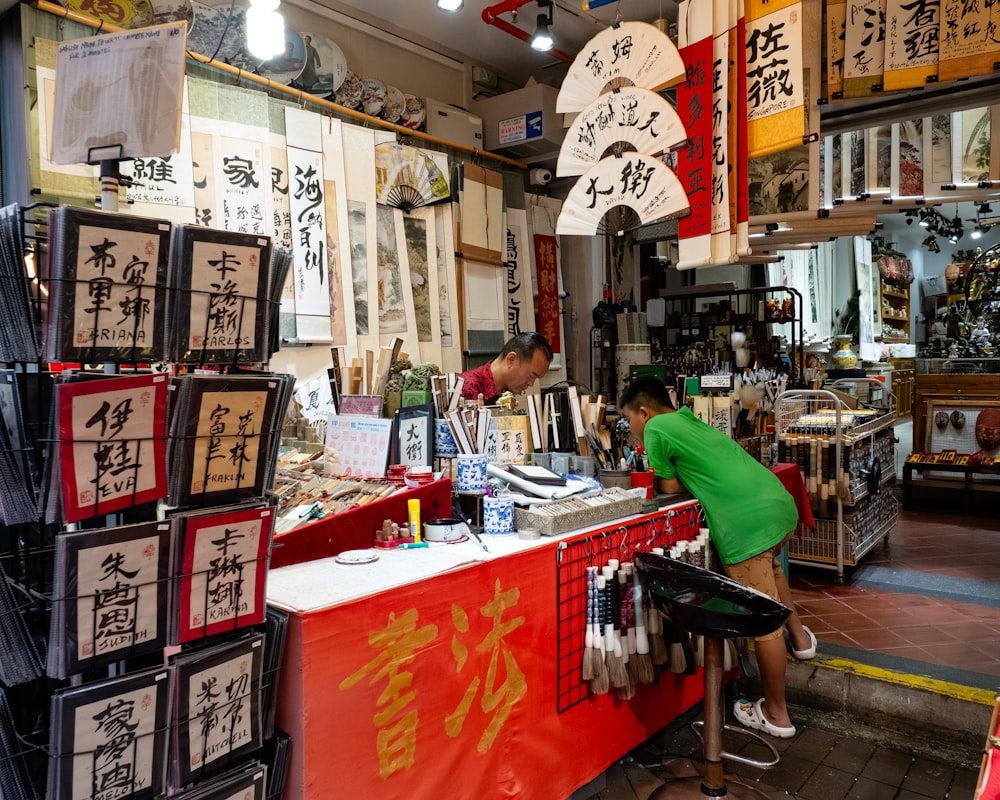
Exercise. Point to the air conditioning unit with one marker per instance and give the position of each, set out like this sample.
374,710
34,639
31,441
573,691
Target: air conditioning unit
523,124
454,124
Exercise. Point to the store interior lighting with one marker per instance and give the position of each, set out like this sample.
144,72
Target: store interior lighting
450,6
542,41
265,29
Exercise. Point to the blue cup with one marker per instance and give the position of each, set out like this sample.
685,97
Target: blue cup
444,441
498,516
471,473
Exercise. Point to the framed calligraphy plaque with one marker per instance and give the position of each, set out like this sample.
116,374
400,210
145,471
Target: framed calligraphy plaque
223,436
112,443
221,567
109,739
107,288
110,596
221,282
217,707
413,436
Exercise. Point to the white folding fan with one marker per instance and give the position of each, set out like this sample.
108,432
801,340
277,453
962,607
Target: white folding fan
612,122
620,193
407,178
626,54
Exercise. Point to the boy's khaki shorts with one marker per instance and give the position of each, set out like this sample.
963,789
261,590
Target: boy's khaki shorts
760,572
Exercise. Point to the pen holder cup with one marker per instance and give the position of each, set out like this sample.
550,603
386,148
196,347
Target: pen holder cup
609,478
471,474
498,516
646,480
444,441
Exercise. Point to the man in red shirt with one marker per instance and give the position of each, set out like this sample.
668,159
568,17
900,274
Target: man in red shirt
523,360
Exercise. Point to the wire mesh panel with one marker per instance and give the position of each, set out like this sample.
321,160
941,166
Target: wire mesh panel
621,541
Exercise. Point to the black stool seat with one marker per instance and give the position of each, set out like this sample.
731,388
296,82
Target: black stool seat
716,607
705,602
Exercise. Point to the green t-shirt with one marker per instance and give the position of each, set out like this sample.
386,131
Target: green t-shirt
747,508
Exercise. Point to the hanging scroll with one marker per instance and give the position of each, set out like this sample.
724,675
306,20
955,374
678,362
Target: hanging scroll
694,101
911,45
723,218
342,323
360,174
908,158
307,194
864,47
937,153
878,162
481,200
739,190
969,42
775,81
836,24
970,146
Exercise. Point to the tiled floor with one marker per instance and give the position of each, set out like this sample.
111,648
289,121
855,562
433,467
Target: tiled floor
930,595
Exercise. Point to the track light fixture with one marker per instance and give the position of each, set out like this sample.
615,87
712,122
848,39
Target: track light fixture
542,41
450,6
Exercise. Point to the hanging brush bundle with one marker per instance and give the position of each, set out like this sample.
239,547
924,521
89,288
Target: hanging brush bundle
587,662
612,646
643,662
621,600
600,682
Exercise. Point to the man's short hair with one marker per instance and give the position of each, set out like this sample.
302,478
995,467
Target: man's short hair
524,346
646,391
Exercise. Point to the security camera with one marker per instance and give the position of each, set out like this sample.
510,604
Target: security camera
540,176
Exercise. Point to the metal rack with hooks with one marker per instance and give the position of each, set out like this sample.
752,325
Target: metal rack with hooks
846,457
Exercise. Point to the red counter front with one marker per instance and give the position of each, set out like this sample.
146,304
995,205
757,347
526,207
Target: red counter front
447,687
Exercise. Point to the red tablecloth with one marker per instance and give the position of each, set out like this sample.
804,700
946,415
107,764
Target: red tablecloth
355,529
791,479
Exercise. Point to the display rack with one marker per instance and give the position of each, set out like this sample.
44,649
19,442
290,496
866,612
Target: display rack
846,457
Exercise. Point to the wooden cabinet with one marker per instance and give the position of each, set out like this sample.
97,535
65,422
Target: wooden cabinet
985,387
895,311
903,380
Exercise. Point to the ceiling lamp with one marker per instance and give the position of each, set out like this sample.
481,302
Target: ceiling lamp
450,6
265,29
542,41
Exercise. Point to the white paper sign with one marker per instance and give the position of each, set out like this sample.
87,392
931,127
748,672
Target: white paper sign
118,95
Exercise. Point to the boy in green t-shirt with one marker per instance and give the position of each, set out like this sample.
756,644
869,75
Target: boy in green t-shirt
749,515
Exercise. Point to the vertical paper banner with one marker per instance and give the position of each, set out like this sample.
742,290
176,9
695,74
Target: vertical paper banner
520,304
242,161
451,334
694,105
864,47
836,23
775,80
878,162
739,191
359,167
164,187
338,247
970,146
548,289
542,215
969,42
421,248
908,158
911,44
722,219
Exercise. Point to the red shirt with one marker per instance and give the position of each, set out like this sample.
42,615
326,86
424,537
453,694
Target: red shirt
480,381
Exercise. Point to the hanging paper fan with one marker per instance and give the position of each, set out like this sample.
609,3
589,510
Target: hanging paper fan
626,54
622,120
620,193
407,178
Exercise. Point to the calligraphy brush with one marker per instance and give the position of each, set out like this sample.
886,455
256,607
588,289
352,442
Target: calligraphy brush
601,683
612,647
644,671
628,647
586,663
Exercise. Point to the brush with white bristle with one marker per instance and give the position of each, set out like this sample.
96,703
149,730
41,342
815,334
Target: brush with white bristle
644,670
600,683
612,647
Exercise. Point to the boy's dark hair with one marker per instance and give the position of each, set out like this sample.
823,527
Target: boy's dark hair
646,391
524,346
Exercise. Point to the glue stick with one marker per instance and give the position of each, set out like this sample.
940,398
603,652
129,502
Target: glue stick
413,510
